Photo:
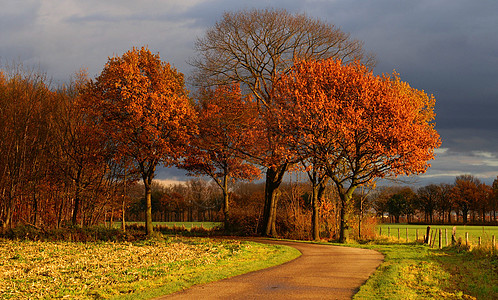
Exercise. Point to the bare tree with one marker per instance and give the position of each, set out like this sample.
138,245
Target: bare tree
251,47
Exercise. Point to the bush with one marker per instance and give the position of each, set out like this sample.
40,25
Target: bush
71,233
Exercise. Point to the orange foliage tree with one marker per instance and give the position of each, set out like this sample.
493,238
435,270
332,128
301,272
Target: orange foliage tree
469,194
26,113
141,105
251,47
358,126
80,159
225,119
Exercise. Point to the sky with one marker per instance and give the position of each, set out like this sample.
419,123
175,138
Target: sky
448,48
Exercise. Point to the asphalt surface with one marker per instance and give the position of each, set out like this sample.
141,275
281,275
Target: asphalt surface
321,272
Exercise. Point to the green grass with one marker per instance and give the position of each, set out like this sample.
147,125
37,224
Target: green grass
485,232
139,270
415,271
188,225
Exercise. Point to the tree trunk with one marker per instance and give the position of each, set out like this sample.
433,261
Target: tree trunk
77,196
342,225
123,222
315,214
316,200
9,208
35,207
226,213
148,209
345,196
274,177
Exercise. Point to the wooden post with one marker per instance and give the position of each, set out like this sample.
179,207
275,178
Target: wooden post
479,242
427,236
440,239
467,239
494,243
416,235
453,236
434,238
446,237
407,239
388,232
380,231
398,233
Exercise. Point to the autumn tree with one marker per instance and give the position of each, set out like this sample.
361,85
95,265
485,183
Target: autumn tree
467,192
401,203
225,120
250,47
444,201
427,199
26,110
78,156
141,105
494,198
365,126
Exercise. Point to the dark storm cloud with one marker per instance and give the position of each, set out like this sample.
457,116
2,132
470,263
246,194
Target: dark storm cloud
448,48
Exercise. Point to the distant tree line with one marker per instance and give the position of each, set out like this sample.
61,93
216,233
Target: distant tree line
467,200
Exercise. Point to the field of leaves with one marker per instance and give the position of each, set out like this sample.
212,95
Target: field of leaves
46,270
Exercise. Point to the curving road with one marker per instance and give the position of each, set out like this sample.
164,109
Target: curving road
321,272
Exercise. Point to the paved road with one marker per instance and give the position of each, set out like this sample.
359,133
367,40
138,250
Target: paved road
321,272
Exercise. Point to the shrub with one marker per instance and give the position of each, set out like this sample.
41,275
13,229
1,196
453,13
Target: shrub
71,233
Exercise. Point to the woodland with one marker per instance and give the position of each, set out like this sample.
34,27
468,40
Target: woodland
275,94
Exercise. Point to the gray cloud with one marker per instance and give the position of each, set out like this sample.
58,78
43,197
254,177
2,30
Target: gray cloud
448,48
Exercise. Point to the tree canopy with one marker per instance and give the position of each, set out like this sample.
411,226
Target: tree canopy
141,105
251,47
358,126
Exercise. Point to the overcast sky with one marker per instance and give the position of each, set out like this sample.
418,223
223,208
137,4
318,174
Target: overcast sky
447,48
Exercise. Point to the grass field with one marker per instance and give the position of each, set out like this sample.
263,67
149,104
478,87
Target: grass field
140,270
415,271
485,232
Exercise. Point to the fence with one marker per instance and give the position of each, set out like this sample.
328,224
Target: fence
440,237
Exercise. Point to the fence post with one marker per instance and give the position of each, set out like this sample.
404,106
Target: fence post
467,239
407,235
416,235
380,231
398,233
479,242
453,236
440,239
427,236
446,237
494,243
